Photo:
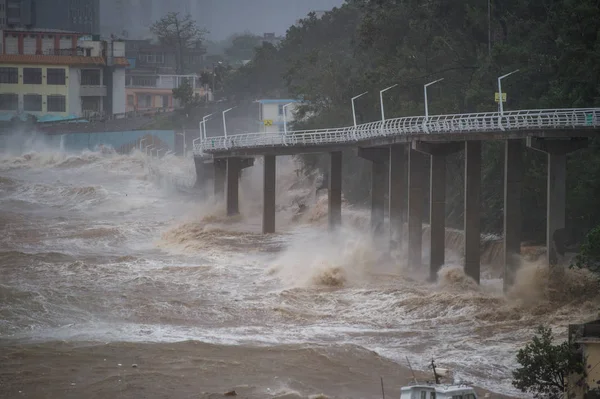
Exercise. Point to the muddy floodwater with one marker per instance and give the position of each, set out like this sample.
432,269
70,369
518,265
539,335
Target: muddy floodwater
118,280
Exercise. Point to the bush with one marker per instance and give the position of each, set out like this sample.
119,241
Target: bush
589,253
545,366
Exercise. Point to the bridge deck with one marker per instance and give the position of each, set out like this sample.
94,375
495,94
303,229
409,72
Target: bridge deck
459,127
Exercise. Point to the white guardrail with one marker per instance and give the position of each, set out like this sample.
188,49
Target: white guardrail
414,125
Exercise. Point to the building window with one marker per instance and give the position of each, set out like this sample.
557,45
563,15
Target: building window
130,100
32,76
281,109
9,75
152,58
32,102
57,103
56,76
90,77
9,102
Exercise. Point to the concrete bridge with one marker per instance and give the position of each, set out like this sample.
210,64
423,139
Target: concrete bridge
397,149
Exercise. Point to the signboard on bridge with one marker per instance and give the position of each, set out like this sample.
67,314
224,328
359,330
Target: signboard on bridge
268,122
497,96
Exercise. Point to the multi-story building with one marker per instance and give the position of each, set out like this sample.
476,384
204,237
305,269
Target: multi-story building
154,58
156,91
73,15
271,114
152,74
53,74
2,13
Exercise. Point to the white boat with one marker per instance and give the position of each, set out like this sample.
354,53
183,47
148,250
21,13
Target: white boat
437,390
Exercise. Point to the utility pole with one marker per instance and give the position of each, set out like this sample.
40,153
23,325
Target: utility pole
489,29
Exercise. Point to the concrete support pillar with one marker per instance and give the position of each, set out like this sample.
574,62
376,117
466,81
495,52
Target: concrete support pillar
379,158
378,176
335,189
220,171
232,193
556,201
397,193
557,150
437,205
416,198
513,188
268,225
437,214
472,221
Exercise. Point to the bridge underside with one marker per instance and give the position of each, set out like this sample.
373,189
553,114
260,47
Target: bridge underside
398,166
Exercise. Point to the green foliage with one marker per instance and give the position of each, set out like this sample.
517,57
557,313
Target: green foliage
242,47
589,253
179,32
367,45
185,94
545,366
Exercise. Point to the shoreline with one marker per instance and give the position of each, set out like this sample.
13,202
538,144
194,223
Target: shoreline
193,369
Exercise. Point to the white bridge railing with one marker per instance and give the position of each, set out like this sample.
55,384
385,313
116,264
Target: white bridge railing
415,125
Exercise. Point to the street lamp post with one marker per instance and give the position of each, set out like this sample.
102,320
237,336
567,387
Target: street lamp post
353,109
224,122
381,100
204,119
501,106
425,91
285,118
184,143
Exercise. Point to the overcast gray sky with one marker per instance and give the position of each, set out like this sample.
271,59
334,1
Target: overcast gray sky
224,17
221,17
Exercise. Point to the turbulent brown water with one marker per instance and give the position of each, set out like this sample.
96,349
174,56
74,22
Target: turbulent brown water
108,258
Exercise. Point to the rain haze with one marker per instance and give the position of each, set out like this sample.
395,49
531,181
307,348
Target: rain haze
391,198
221,18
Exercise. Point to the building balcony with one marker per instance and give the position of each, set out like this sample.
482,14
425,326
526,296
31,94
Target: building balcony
93,91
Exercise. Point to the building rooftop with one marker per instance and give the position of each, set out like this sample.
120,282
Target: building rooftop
41,30
276,101
58,60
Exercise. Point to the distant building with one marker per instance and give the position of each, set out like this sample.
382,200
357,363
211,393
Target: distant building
156,91
587,338
154,58
53,75
151,76
73,15
271,38
271,114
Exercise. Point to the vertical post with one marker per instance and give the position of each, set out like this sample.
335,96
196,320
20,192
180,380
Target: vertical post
220,172
425,92
353,109
335,189
398,192
557,187
269,194
284,109
513,187
232,192
437,214
489,29
381,100
472,222
416,166
378,176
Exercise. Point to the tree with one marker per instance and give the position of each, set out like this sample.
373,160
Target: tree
180,33
185,94
242,47
589,253
545,366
